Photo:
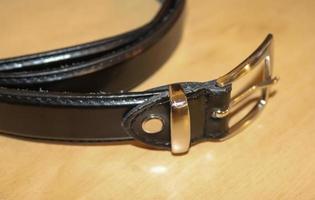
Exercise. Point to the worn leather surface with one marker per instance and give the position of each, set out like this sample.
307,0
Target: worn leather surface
77,94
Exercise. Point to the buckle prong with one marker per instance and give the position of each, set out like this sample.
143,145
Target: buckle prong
240,97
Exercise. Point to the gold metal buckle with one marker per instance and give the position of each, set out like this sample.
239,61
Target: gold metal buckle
179,110
262,53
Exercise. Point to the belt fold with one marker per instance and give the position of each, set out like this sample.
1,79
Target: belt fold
62,95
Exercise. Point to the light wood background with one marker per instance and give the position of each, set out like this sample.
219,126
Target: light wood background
272,159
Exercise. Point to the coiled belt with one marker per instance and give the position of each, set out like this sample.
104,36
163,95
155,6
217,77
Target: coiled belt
57,95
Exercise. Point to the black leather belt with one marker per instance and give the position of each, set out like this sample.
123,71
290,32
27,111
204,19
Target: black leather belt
56,95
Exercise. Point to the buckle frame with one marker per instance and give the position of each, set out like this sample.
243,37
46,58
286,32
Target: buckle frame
262,53
179,108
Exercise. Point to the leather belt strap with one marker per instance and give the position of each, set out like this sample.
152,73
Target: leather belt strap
57,96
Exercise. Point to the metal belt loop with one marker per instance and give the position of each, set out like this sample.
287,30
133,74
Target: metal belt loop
179,120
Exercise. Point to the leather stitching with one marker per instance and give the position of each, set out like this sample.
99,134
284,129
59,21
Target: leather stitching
195,90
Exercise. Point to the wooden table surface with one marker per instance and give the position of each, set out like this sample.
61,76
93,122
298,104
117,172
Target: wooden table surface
274,158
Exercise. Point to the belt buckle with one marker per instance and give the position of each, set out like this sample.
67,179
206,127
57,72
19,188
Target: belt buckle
262,53
179,110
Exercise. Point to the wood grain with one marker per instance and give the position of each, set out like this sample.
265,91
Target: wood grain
272,159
